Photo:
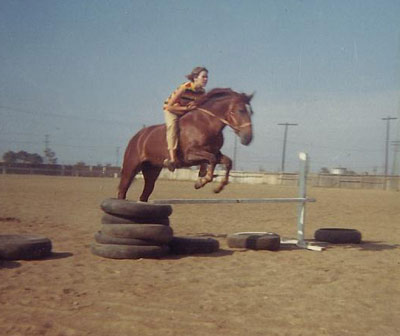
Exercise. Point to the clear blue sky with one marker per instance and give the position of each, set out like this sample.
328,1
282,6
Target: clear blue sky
90,74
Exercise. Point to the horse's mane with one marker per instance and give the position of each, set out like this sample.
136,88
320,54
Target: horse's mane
215,94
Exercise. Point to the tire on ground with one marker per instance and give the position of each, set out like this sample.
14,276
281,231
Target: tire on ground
161,234
141,210
24,247
255,241
112,219
193,245
338,236
114,251
102,238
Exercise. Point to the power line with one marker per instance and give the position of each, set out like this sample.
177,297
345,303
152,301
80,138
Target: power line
56,115
55,144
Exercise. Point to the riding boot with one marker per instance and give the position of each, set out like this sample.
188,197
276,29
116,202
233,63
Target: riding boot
171,165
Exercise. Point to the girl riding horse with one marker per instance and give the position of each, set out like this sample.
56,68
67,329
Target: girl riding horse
178,103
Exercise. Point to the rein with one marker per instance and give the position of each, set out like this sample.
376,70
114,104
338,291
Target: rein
224,121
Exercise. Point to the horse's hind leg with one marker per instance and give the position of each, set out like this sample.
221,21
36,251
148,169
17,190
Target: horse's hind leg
150,175
128,173
227,162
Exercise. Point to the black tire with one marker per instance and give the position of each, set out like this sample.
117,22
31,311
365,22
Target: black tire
111,219
24,247
128,251
102,238
255,241
338,236
141,210
193,245
161,234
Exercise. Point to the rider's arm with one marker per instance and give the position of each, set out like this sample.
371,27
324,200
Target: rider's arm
174,107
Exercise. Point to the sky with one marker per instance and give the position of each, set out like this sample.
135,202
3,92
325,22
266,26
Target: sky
87,75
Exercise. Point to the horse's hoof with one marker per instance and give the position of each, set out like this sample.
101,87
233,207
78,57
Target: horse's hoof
197,186
217,190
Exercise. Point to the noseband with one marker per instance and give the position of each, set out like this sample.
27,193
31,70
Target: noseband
225,121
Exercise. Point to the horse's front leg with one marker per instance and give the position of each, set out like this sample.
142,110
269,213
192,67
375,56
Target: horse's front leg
206,173
227,162
208,177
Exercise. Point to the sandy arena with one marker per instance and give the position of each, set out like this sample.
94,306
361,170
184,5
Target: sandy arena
344,290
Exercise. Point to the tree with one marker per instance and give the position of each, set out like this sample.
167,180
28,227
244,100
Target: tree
10,157
36,159
80,164
50,156
23,157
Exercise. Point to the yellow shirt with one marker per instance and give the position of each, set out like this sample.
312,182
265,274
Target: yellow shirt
189,94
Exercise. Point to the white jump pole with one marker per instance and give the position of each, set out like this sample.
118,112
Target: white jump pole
302,200
231,200
301,209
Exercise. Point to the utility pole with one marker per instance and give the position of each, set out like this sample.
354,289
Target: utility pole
234,151
396,150
117,156
284,143
388,118
46,147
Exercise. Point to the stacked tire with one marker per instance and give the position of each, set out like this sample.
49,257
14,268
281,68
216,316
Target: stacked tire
133,230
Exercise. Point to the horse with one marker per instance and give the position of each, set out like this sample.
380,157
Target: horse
200,141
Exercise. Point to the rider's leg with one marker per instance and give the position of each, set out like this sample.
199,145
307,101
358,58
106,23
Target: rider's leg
171,121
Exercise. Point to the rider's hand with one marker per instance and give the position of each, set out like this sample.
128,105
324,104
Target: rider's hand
191,107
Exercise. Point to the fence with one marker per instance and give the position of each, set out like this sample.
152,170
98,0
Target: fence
59,170
287,179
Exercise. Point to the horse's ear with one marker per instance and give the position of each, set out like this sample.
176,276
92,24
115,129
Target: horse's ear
248,98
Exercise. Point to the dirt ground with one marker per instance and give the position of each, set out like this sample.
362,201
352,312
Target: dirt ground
344,290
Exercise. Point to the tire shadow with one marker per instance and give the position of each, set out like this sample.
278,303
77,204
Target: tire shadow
363,246
217,254
53,256
374,246
58,255
9,264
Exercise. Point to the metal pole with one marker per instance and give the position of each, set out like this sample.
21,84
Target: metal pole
302,194
284,144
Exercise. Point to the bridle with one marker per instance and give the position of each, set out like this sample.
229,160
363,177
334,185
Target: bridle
225,121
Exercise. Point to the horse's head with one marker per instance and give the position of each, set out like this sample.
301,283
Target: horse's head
239,117
232,109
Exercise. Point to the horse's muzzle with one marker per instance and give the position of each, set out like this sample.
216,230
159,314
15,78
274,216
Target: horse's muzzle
246,135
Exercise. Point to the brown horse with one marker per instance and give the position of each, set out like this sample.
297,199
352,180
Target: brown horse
200,141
